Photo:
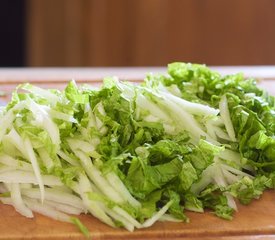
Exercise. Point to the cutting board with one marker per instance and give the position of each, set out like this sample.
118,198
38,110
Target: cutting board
255,221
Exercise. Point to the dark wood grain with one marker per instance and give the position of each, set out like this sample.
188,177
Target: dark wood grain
150,32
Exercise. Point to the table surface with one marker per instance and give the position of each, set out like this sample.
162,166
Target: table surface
10,77
91,73
255,221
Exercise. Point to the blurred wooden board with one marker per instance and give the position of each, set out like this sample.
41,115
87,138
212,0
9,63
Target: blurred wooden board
59,77
255,221
59,74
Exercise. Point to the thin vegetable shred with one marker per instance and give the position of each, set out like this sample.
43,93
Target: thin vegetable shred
133,154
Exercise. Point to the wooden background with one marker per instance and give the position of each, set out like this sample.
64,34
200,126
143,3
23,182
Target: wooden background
150,32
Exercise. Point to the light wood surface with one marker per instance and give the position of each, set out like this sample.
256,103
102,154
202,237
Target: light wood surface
10,77
255,221
53,74
250,222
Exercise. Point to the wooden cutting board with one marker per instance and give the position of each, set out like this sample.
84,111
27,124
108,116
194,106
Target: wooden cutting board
255,221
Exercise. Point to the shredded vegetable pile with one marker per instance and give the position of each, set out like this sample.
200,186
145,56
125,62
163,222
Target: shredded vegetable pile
133,154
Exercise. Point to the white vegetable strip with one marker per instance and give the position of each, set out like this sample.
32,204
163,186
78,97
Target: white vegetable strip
99,107
230,155
68,158
46,210
145,104
210,130
31,156
96,176
230,177
117,184
151,118
84,146
43,120
169,129
63,189
183,119
45,158
221,134
149,222
173,89
127,216
18,202
217,121
168,217
92,120
142,102
225,115
128,92
93,206
61,116
7,119
206,178
230,201
128,225
64,207
18,176
17,141
56,196
17,164
193,108
25,185
220,180
6,200
6,169
236,171
41,92
5,122
75,187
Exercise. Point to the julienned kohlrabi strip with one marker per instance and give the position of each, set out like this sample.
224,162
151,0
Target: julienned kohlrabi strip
133,154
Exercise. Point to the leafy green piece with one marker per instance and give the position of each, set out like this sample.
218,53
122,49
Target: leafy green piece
248,189
176,209
142,179
131,154
188,175
73,94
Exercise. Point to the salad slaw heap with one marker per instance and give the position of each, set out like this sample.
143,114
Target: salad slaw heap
133,154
